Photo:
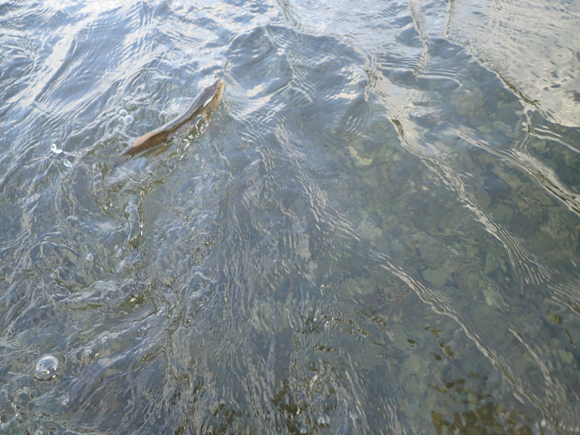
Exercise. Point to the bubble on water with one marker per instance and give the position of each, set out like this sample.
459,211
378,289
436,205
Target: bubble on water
123,112
88,352
104,338
54,149
415,115
67,163
128,119
65,400
47,368
323,420
89,257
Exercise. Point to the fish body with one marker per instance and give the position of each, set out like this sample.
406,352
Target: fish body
207,101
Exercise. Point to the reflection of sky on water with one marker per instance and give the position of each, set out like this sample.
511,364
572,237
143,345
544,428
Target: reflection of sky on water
533,46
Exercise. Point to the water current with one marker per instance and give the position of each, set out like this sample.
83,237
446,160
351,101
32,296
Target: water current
376,232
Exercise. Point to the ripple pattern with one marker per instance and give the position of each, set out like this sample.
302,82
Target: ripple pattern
376,232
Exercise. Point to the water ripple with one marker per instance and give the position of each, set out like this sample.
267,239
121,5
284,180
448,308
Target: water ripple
376,230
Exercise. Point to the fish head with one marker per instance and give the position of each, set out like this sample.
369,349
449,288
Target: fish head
216,96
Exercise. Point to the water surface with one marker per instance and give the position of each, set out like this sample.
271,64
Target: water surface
376,232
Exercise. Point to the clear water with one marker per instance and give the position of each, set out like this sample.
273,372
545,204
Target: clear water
377,232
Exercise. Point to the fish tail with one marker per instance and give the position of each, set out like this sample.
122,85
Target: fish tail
120,159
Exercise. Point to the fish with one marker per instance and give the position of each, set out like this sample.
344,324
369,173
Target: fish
206,102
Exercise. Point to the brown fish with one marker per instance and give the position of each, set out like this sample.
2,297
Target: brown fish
206,102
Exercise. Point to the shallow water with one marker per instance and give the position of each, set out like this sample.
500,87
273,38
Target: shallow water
376,232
